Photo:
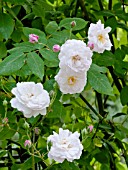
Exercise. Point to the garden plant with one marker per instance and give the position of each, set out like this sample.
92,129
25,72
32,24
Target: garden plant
63,85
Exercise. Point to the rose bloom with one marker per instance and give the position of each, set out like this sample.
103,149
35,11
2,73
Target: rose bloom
70,81
65,145
98,35
76,55
30,98
33,38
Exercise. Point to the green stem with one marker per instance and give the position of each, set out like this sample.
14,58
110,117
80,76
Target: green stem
1,6
94,111
100,103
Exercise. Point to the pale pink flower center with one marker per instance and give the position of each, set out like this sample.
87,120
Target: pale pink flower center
71,80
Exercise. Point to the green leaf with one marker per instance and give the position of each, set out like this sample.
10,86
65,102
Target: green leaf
3,50
16,35
35,64
102,158
124,95
51,27
111,22
26,165
8,132
38,10
106,59
49,55
25,47
19,2
99,81
12,63
57,110
66,23
51,58
105,13
42,38
6,25
121,166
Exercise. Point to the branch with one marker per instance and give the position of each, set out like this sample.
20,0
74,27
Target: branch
84,11
100,103
94,111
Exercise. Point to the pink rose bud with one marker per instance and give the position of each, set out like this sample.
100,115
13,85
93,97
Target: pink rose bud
73,24
90,45
27,143
56,48
90,128
33,38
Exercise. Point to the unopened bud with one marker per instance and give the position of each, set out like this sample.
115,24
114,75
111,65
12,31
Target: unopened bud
5,102
33,38
5,120
73,24
56,48
27,143
90,45
73,116
90,127
26,125
37,131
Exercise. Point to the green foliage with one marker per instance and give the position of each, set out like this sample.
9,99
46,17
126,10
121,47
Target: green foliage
102,104
99,81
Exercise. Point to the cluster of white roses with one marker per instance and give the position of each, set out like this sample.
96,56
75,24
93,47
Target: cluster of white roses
75,58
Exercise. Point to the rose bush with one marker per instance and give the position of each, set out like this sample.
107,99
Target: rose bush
63,85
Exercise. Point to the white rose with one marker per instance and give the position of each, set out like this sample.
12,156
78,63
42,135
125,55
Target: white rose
70,81
76,55
98,35
30,98
65,145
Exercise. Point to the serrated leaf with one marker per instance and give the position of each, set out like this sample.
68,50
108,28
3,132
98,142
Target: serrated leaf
12,63
7,132
99,81
3,50
95,67
106,59
25,47
66,23
6,25
124,95
51,27
15,1
38,10
111,22
35,64
51,58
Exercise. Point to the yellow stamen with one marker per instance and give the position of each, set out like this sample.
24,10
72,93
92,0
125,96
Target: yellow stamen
101,38
71,80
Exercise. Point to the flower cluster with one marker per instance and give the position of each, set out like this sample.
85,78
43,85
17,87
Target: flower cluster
75,60
65,145
31,99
